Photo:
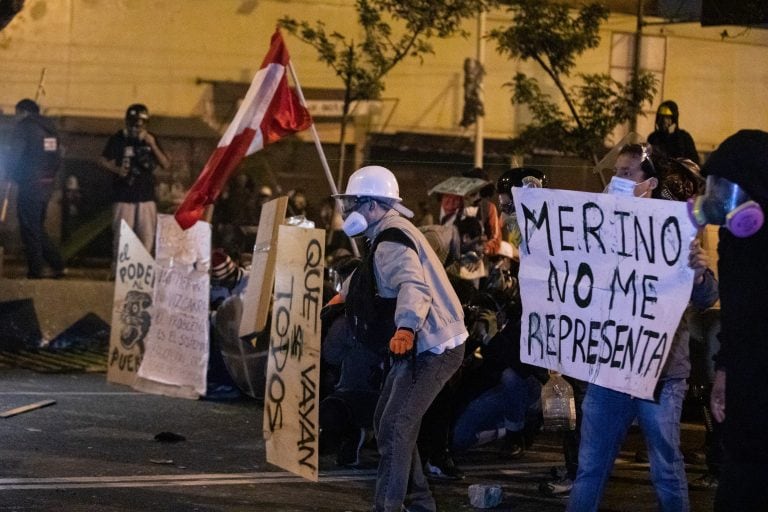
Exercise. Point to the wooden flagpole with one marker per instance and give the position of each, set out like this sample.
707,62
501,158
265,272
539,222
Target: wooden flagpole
320,151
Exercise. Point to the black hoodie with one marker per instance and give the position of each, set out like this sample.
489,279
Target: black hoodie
679,143
743,159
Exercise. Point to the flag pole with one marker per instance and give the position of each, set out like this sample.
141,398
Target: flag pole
320,151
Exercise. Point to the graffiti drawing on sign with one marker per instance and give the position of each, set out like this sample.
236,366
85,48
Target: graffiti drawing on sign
132,311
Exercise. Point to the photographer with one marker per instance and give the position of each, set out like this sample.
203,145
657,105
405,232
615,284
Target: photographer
133,154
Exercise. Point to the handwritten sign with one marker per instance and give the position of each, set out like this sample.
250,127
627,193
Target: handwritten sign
604,281
131,314
291,400
176,358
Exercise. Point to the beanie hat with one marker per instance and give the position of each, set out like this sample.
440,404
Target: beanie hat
742,158
223,268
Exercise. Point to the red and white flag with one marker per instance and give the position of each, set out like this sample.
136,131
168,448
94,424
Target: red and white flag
270,110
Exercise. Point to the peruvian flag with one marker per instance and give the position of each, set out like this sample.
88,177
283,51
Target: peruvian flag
270,110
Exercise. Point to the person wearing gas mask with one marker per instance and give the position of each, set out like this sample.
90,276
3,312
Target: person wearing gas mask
400,300
736,199
132,154
608,414
668,139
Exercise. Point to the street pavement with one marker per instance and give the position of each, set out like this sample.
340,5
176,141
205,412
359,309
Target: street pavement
95,450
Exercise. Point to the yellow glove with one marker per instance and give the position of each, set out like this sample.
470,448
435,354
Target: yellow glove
402,342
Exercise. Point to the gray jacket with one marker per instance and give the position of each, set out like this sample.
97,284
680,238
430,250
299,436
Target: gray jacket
426,301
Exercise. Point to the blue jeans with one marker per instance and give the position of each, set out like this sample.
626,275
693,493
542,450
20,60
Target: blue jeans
409,389
503,407
607,415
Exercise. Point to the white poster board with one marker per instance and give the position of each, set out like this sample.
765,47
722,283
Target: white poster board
131,313
291,401
176,360
604,281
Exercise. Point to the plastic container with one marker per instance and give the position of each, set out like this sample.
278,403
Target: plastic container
558,404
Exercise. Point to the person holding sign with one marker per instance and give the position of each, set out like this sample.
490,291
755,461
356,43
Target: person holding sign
736,199
400,301
607,414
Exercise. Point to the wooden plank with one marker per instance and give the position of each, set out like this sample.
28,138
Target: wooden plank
258,292
26,408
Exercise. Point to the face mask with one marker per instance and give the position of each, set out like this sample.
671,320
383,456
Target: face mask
726,204
619,186
354,224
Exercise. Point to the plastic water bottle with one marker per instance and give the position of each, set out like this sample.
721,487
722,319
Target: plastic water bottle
558,404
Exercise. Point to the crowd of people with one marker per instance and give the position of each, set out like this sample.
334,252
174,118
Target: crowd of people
421,333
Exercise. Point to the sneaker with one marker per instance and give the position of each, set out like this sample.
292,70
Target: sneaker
443,468
557,488
348,454
707,481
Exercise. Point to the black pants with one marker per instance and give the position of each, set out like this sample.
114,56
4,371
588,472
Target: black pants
38,246
742,486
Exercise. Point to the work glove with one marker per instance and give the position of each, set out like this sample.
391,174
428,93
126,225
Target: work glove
402,342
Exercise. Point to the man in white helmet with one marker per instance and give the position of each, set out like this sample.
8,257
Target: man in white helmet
399,301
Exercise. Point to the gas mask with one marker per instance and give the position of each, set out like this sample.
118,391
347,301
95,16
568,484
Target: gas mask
724,203
354,224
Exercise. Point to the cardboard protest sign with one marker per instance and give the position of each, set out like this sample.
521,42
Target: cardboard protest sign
176,360
604,281
458,186
259,290
291,401
131,313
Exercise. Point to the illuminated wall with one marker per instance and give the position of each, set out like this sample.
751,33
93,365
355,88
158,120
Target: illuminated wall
101,55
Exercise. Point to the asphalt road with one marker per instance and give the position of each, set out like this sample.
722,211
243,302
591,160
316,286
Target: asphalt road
94,450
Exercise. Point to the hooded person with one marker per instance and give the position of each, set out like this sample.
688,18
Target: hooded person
736,198
668,138
400,302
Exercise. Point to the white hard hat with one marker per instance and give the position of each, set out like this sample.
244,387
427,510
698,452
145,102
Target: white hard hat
377,182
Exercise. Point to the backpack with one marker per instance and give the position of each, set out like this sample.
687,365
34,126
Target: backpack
371,317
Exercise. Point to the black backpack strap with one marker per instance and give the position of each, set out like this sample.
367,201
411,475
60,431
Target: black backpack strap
393,235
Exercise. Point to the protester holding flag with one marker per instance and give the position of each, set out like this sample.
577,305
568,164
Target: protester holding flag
400,302
607,414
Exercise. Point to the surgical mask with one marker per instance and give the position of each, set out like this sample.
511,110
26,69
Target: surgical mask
619,186
725,204
354,224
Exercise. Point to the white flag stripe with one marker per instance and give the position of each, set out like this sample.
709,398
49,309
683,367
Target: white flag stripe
258,98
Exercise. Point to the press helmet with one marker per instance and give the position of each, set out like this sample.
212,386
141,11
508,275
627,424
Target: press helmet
135,112
377,182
